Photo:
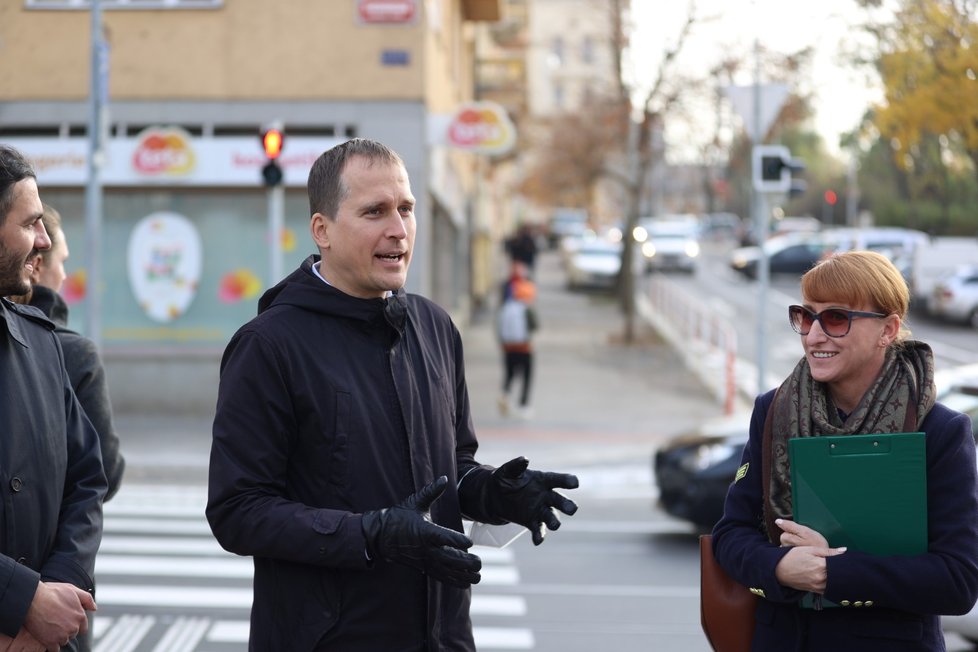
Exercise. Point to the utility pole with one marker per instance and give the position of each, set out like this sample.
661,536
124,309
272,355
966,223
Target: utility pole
761,215
98,100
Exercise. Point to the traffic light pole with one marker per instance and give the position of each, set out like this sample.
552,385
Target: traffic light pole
276,224
98,94
761,217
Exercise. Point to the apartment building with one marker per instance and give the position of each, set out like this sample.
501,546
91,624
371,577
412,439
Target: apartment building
185,237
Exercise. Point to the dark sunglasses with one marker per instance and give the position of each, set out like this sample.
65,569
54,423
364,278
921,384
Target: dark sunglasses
835,322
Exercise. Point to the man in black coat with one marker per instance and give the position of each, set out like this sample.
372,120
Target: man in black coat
82,360
343,454
51,473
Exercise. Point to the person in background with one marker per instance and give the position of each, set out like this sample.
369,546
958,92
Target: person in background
860,374
517,322
343,452
51,465
522,247
82,359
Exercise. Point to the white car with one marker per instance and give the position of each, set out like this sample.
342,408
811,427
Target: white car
669,244
594,262
955,297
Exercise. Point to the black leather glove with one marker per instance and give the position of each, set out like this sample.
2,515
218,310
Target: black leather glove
404,534
527,497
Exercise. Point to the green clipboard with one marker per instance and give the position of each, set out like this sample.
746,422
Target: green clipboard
865,492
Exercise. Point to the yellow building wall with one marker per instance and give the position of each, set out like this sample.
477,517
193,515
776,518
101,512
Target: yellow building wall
247,50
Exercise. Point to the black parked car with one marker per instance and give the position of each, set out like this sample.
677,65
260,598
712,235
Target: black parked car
693,470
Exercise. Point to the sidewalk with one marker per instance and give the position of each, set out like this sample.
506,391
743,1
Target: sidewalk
594,401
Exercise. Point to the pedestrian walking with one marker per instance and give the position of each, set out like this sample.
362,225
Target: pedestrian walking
343,454
51,465
517,323
860,374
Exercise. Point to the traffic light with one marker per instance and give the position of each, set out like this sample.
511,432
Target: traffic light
831,198
272,142
773,170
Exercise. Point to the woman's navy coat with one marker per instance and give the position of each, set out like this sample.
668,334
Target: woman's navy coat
330,406
899,598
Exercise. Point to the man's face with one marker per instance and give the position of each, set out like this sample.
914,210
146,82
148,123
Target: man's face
367,248
49,270
22,235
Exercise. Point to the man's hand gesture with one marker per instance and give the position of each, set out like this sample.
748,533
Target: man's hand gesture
405,534
521,495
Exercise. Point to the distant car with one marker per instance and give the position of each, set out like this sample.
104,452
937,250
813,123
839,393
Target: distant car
694,470
891,241
566,223
955,297
593,263
791,253
669,244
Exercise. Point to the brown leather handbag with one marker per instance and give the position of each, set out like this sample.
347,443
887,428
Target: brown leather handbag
726,607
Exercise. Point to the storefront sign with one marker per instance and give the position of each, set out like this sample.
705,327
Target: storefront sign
387,11
481,127
170,156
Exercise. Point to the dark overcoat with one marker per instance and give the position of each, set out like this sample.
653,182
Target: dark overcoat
893,603
51,478
330,406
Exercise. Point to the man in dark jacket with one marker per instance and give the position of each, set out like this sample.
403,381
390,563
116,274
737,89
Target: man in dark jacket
82,360
343,456
51,469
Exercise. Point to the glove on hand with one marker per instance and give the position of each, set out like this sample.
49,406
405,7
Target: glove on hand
404,534
527,497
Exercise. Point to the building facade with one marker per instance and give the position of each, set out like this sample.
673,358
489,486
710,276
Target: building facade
185,241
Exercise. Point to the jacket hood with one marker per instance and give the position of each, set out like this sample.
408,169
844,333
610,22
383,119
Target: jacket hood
304,290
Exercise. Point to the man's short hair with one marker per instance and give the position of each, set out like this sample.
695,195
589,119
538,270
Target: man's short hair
325,186
14,168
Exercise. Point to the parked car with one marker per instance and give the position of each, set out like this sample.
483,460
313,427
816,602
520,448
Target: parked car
935,260
566,222
891,241
791,253
593,263
955,297
693,470
669,244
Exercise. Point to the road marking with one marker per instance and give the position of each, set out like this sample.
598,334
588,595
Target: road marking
498,605
190,597
166,546
503,638
195,527
127,632
232,567
183,635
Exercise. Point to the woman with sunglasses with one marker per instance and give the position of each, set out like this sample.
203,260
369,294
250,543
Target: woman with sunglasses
861,373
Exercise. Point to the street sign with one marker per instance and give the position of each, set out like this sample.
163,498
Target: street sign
772,99
387,11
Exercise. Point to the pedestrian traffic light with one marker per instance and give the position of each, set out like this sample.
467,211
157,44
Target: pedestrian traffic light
831,197
773,170
272,142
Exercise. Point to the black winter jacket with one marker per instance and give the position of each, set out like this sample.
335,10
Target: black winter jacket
87,376
330,406
51,479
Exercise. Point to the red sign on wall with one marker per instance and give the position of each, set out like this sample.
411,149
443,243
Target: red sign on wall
387,11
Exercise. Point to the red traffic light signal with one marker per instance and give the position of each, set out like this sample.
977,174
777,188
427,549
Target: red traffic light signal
272,141
831,198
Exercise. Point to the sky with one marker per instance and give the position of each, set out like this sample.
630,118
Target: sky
842,92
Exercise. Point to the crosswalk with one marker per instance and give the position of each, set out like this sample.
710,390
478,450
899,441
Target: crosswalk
165,585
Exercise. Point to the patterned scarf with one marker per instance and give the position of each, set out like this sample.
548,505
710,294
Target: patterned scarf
898,401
